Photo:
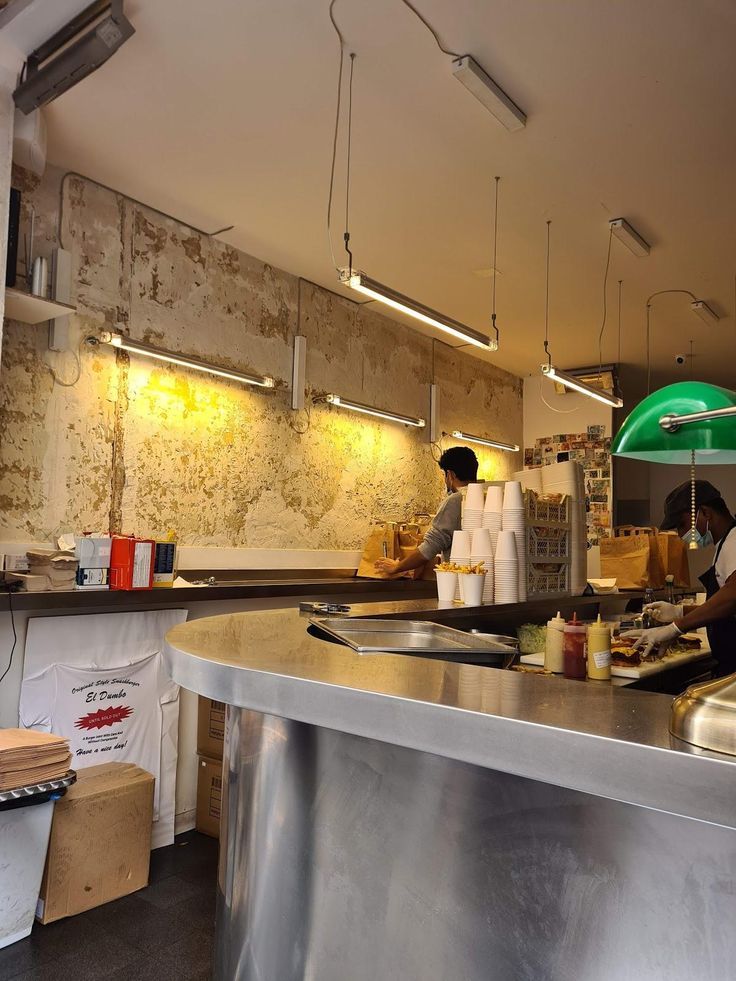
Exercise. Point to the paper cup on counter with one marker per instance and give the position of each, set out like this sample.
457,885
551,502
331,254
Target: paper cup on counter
513,496
474,497
494,499
480,544
461,545
446,586
471,589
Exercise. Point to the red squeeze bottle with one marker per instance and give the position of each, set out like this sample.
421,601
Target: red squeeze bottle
574,653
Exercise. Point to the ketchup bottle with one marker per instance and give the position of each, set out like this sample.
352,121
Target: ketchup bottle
575,655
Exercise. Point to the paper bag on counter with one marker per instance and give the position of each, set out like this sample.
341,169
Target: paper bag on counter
632,557
382,542
673,553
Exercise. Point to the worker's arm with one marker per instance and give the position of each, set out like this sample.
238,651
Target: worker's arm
394,567
720,606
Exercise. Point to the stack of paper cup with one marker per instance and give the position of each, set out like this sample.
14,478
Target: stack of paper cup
493,513
481,550
514,519
506,569
460,552
568,478
473,507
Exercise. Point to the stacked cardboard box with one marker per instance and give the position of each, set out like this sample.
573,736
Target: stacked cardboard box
210,743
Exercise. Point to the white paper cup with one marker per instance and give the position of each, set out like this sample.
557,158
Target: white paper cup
471,588
446,586
474,497
506,546
461,543
513,496
480,543
494,499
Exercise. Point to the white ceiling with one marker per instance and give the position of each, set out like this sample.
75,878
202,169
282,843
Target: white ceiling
222,113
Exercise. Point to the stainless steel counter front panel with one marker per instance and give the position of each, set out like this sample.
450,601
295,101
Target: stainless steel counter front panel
348,859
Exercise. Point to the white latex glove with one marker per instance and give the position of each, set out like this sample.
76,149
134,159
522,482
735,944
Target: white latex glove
664,612
658,637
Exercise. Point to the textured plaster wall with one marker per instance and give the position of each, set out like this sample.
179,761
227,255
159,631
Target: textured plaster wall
141,447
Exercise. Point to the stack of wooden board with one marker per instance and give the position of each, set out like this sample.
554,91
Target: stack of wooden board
28,757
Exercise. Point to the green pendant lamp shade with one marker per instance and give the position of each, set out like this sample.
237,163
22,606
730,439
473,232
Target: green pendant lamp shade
642,437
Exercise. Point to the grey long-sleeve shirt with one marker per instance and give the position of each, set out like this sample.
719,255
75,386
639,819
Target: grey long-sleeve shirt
447,520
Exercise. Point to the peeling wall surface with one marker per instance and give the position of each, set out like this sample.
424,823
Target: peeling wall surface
138,446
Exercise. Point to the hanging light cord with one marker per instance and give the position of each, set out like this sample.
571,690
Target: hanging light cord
335,133
546,303
432,31
620,291
648,335
346,234
605,305
495,270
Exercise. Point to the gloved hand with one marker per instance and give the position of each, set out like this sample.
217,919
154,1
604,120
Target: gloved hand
664,612
658,637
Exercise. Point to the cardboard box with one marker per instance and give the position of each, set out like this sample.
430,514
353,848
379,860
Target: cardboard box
209,797
210,728
100,844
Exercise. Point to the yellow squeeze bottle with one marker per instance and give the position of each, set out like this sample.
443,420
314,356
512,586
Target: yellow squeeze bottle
599,650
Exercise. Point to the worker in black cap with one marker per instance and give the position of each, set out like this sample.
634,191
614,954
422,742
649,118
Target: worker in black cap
713,522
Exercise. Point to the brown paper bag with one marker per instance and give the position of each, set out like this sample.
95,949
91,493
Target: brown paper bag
632,557
673,552
382,542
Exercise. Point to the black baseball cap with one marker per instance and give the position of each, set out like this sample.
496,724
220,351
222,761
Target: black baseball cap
678,501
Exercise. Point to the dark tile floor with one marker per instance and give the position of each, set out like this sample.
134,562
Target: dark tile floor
162,933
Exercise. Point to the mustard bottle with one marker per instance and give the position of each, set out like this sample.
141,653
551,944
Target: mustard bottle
553,660
599,650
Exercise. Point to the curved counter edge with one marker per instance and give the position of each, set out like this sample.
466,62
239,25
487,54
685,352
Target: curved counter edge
676,780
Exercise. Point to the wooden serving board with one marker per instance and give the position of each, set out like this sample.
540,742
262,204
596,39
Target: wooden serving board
649,667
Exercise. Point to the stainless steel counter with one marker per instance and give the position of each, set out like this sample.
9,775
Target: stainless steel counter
393,817
600,740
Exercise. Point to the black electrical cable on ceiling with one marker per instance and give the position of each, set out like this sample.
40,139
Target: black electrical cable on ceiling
15,638
648,333
605,305
432,31
336,131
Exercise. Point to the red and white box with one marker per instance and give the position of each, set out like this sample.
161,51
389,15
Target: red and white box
131,562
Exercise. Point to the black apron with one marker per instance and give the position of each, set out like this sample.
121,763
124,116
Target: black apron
722,633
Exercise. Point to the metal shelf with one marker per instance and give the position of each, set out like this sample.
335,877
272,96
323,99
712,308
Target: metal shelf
30,309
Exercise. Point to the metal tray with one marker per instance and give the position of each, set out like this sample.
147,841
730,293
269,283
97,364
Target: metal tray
367,636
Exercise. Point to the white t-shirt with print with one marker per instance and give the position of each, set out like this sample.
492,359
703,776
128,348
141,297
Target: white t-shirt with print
107,714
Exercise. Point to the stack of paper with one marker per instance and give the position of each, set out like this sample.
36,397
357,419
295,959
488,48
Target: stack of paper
30,757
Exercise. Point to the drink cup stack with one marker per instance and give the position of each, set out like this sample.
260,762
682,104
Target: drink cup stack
481,550
493,513
514,520
506,569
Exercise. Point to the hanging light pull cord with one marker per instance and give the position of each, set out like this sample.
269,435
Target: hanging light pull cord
495,270
546,304
693,510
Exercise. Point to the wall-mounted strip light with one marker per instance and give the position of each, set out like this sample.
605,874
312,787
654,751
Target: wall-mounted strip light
570,381
496,444
369,410
701,309
488,93
627,234
171,357
384,294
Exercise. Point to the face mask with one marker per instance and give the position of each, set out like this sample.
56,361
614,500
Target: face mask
700,539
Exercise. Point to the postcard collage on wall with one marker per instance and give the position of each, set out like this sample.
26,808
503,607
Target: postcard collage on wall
592,449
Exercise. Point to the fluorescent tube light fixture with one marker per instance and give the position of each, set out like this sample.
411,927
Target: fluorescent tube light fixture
701,309
496,444
397,301
625,233
480,84
570,381
171,357
369,410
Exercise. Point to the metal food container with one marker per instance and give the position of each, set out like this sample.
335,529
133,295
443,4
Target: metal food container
705,715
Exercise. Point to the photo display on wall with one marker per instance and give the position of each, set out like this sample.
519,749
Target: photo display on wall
592,449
